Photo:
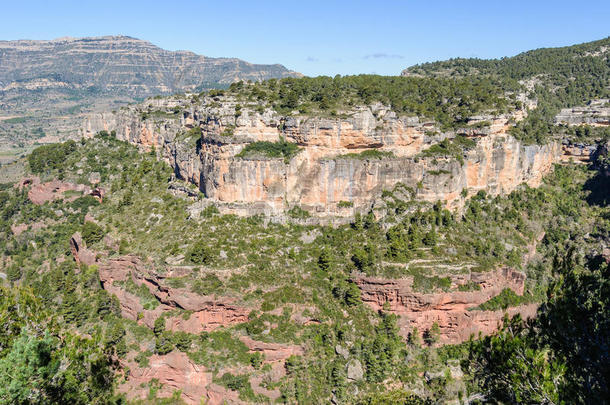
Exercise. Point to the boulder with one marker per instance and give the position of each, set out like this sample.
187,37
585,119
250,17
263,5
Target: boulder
342,351
354,370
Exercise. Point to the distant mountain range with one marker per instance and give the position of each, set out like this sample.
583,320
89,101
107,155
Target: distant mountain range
119,64
43,83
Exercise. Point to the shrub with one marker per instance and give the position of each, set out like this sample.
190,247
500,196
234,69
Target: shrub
369,154
297,212
207,285
164,344
182,341
48,157
199,253
142,358
432,335
507,298
92,233
279,149
234,382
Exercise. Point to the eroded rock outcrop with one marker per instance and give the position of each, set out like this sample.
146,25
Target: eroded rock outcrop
39,193
79,251
577,152
272,352
451,310
596,113
206,312
174,371
321,178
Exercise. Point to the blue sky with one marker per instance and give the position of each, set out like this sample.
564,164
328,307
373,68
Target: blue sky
320,37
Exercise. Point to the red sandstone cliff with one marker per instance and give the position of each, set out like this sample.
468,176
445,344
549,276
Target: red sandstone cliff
451,310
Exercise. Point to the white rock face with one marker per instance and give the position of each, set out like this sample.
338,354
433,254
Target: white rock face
354,370
326,177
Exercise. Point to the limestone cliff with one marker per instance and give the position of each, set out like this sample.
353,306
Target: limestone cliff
326,177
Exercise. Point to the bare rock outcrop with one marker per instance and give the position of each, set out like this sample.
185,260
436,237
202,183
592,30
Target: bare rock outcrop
174,371
206,312
596,113
577,152
55,189
272,352
39,193
323,175
451,310
79,251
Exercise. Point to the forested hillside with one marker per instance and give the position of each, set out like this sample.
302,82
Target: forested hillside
312,305
437,238
555,77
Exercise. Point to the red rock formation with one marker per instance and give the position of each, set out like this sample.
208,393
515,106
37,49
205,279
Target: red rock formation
175,371
218,395
27,181
451,310
273,352
79,250
18,229
43,192
211,316
208,313
39,193
277,372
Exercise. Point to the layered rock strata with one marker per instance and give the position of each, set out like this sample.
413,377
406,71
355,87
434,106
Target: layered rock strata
452,311
174,372
206,313
325,177
596,113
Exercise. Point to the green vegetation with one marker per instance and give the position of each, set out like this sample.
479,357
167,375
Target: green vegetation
279,149
199,253
15,120
561,77
369,154
43,362
559,357
454,148
298,282
228,130
507,298
297,212
345,204
173,114
92,233
48,157
427,97
239,383
586,133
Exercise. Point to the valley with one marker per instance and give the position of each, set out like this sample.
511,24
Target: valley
360,239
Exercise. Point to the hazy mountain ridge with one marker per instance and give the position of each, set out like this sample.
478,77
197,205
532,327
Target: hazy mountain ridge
46,86
115,63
